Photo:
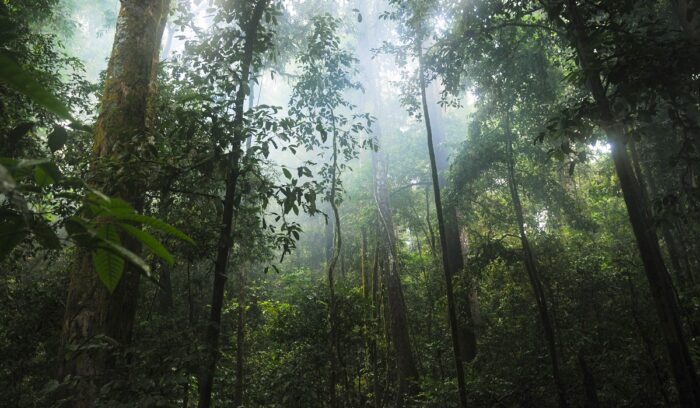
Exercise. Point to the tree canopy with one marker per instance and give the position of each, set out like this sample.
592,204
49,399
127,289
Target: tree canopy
380,203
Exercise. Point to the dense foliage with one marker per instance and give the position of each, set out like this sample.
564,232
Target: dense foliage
238,207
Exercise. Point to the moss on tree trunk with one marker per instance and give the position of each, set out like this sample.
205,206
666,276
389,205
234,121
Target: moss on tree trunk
120,145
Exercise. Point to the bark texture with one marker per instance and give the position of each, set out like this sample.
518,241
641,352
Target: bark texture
332,263
531,268
238,387
663,295
451,308
225,240
120,143
397,319
452,231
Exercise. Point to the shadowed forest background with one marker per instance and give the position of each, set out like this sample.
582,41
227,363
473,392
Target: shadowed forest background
349,204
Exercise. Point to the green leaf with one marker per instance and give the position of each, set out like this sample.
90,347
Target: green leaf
12,232
57,139
45,235
287,173
109,267
150,241
46,174
123,215
115,203
15,77
100,204
108,264
29,163
134,259
78,231
42,178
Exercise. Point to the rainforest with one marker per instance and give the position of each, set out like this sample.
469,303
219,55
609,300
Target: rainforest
349,203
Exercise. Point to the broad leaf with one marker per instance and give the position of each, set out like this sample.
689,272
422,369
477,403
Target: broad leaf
12,232
12,74
122,215
45,235
108,265
42,178
57,139
129,256
150,241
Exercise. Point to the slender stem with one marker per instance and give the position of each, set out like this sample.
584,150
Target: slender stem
451,310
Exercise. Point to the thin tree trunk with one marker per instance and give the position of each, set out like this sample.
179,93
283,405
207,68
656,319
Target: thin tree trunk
329,234
165,291
452,230
589,385
224,244
90,309
649,191
659,282
242,275
335,254
531,267
364,276
375,324
683,277
429,224
186,396
451,309
240,337
407,373
473,298
648,345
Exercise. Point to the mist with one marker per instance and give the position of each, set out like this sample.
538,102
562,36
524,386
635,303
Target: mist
349,204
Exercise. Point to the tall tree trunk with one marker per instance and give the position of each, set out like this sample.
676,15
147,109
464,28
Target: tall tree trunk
375,317
429,225
224,244
452,231
649,192
242,275
165,292
407,373
451,309
531,267
332,263
589,386
240,337
684,278
659,281
90,309
329,234
648,344
364,276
